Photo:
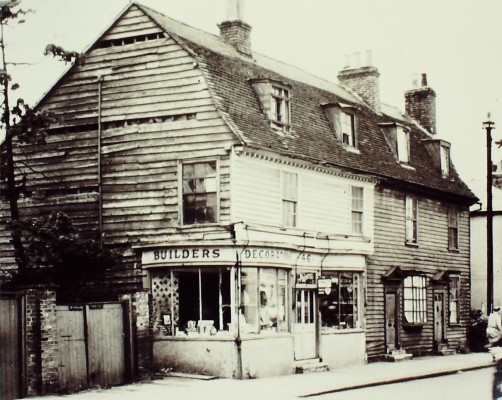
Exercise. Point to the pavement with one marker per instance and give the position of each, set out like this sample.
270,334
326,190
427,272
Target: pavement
292,386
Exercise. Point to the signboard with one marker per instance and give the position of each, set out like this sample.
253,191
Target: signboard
228,256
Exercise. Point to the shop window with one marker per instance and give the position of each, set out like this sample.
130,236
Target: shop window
452,228
454,299
339,304
204,301
415,299
199,192
357,210
411,220
289,198
263,300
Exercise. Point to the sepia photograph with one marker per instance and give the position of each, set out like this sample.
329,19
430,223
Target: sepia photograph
250,199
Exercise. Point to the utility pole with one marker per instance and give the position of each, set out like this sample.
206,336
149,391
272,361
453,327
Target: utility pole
489,125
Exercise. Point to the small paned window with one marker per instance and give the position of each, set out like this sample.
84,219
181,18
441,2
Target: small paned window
339,303
289,198
454,299
199,181
411,220
357,210
415,299
263,300
452,228
445,160
347,122
280,112
403,145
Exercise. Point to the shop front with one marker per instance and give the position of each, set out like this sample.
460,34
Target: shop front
253,310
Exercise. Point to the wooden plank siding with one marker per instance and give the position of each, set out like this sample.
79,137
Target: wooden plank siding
430,256
156,111
11,334
7,261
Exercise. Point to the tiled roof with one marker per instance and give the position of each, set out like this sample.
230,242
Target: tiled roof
312,135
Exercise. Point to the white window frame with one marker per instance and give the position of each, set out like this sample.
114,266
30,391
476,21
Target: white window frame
415,299
453,221
403,145
280,97
454,298
357,210
445,159
181,210
289,196
348,128
412,220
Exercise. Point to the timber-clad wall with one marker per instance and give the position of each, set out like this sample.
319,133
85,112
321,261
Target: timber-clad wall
156,111
6,251
431,256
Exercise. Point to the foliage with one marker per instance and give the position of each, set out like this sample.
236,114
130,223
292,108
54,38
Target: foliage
476,332
57,254
65,55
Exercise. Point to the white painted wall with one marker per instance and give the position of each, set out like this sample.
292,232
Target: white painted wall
324,200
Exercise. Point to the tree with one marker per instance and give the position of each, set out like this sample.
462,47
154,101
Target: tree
44,248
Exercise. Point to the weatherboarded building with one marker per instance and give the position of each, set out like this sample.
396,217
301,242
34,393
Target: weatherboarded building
276,220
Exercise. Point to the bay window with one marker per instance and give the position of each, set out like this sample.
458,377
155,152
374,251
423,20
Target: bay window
415,299
339,304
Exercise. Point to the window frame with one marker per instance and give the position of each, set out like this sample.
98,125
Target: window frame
411,221
287,199
417,300
181,206
344,113
357,211
403,157
453,217
445,159
282,100
454,297
357,280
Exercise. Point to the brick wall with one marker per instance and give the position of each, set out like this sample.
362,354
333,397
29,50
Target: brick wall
363,81
237,33
41,342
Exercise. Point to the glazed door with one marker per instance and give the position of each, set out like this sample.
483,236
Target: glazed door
438,317
391,321
305,325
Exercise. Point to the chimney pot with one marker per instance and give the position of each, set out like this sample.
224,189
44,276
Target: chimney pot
424,80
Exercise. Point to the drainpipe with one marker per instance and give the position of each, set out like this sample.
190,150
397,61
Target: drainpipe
100,190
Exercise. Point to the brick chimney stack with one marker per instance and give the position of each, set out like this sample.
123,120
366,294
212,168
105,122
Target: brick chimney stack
420,104
362,80
235,31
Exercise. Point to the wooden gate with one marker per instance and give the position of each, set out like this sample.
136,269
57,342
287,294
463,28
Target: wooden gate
92,346
11,347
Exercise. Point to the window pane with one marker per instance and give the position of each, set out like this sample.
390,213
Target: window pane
189,301
402,145
249,299
282,309
268,299
199,192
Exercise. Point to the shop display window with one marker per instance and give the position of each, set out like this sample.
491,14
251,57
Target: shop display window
339,304
263,300
204,301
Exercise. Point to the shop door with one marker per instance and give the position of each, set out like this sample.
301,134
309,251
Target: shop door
391,321
438,317
305,325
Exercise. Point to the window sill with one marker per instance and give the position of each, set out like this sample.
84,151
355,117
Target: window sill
407,166
413,325
334,331
202,225
411,244
351,149
453,250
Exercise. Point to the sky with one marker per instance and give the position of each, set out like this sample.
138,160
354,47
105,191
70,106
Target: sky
458,44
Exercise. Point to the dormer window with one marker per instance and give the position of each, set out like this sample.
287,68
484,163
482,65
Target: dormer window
343,120
398,137
280,112
445,159
403,145
275,99
348,129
